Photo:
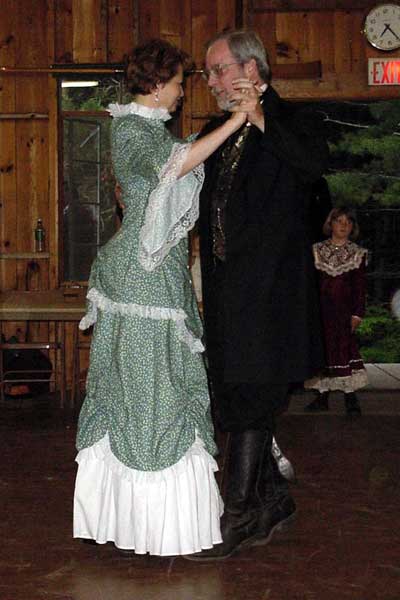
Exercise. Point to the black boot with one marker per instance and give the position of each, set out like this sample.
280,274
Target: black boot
276,506
320,403
352,406
240,521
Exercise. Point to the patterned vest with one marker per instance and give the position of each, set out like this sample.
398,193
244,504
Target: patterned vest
226,171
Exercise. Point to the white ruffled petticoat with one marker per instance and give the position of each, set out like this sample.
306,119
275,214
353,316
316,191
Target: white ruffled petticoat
171,512
347,384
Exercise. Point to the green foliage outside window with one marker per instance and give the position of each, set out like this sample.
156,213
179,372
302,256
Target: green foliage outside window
366,159
93,99
379,336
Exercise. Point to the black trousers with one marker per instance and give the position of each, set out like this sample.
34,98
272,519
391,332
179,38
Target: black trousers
242,406
237,406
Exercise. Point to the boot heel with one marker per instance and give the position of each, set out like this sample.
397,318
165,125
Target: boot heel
280,527
287,523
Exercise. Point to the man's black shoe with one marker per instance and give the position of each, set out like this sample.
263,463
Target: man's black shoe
274,519
237,533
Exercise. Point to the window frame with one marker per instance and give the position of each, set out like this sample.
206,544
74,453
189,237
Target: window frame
72,72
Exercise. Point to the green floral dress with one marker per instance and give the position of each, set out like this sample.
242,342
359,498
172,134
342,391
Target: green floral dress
145,434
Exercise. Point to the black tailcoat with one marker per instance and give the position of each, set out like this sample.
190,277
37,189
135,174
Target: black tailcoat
271,310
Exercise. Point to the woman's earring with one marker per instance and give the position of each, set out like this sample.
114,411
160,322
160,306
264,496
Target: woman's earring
156,96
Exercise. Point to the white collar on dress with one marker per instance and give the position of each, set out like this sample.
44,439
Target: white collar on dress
336,260
134,108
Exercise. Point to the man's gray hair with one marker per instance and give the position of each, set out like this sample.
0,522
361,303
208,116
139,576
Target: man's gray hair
245,45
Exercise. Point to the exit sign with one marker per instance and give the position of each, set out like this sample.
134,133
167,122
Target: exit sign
384,71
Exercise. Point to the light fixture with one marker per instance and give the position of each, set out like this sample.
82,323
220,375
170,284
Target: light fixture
67,84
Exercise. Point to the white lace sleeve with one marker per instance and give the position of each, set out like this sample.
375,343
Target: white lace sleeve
172,209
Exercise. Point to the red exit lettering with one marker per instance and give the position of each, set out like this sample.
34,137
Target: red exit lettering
384,72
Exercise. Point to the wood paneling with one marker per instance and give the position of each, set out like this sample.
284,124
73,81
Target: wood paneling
8,204
8,209
8,35
7,94
31,94
343,42
31,40
122,29
89,31
53,150
325,26
171,17
149,19
186,44
313,5
204,26
226,14
8,41
291,38
64,27
266,27
32,159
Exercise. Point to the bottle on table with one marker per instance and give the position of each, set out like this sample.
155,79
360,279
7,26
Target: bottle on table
40,236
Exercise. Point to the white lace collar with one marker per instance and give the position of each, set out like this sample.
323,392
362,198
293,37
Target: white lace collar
133,108
336,260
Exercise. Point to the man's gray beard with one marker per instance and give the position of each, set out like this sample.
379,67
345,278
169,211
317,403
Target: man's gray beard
226,104
223,103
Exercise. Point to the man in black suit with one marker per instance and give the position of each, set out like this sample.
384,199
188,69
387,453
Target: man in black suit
260,300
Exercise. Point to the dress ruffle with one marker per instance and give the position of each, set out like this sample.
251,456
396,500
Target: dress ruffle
170,512
349,383
172,209
133,108
96,301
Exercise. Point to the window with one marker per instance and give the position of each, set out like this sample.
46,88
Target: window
89,212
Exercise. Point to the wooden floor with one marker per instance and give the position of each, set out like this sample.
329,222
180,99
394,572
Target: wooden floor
344,545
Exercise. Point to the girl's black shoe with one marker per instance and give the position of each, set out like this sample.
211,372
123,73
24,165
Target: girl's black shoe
320,404
353,408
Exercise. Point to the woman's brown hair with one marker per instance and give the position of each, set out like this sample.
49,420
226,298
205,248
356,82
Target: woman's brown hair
156,61
335,214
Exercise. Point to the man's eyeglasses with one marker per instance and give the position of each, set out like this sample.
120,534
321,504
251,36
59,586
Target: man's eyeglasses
217,70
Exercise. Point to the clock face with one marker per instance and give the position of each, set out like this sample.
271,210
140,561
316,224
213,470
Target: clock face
382,26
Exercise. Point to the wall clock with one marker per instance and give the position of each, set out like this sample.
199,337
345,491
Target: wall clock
382,26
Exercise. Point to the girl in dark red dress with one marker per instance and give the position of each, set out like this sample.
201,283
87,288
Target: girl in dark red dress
341,268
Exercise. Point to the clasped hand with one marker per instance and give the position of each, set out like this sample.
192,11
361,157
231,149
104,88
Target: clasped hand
245,98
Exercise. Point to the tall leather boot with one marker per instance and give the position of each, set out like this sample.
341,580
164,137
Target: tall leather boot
239,523
276,506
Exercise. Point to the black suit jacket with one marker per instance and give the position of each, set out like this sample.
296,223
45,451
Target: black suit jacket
271,309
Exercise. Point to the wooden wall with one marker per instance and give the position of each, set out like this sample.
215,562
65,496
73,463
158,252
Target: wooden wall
329,31
35,35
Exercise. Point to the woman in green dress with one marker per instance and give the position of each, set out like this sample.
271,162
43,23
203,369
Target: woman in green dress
145,478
